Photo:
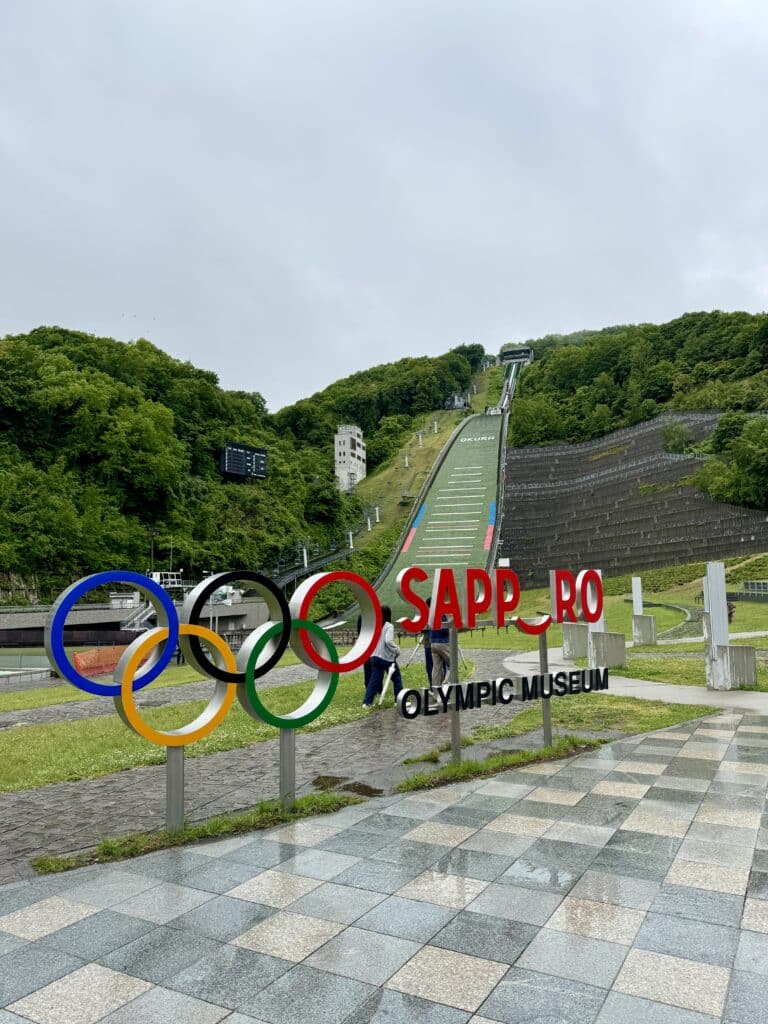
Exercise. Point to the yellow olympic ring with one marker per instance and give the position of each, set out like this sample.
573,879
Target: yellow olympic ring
223,696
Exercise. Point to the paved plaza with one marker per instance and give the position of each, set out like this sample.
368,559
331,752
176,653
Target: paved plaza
626,885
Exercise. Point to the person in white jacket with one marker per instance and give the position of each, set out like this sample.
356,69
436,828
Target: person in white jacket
382,659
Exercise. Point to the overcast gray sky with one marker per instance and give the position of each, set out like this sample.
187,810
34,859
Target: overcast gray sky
286,192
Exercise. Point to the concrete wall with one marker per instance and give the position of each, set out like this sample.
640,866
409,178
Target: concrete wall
644,629
731,667
575,640
609,650
10,681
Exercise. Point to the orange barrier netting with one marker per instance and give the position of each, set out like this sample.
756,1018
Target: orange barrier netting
100,661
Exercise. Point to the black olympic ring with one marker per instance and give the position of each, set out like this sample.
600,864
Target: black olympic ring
196,600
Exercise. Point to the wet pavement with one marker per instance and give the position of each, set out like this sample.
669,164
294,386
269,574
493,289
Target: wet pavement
626,885
72,816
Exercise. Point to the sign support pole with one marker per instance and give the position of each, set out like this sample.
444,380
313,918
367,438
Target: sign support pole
546,711
174,788
287,767
453,679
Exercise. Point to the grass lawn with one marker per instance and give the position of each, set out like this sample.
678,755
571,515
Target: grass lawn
175,675
618,616
386,486
749,616
597,712
680,671
21,700
584,712
563,746
36,755
695,646
588,712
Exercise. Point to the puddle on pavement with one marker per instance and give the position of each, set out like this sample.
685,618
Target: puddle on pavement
361,789
326,782
323,782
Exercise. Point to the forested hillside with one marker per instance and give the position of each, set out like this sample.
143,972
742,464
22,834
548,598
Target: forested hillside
383,401
103,442
584,385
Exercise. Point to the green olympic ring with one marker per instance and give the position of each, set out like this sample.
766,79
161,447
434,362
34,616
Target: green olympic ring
318,700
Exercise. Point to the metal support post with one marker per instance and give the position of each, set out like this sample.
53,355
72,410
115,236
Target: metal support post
287,767
174,788
461,655
546,711
453,679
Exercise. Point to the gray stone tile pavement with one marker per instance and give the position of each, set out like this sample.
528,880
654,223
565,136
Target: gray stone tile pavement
395,912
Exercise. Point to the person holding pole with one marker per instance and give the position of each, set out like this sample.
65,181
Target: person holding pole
427,635
441,652
367,662
383,658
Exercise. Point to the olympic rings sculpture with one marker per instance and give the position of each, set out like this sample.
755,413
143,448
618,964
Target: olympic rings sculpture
234,676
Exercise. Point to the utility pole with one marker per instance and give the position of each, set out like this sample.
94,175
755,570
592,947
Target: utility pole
153,532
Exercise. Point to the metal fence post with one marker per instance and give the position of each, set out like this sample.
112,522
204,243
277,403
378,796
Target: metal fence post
174,788
453,679
287,767
546,711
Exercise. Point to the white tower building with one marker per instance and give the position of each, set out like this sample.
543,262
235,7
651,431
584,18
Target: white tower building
349,456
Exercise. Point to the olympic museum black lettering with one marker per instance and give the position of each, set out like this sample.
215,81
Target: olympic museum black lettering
473,695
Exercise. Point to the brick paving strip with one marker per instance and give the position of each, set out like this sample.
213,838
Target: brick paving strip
69,816
626,885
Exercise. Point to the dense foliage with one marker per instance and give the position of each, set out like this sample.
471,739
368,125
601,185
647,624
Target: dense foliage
737,469
103,443
386,401
583,386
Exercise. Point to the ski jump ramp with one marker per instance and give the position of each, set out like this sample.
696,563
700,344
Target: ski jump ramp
453,523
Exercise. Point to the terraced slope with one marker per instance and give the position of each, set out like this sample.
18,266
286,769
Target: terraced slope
454,525
618,504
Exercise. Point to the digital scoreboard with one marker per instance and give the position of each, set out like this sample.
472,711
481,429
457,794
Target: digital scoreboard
244,461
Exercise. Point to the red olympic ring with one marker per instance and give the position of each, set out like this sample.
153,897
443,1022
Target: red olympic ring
370,613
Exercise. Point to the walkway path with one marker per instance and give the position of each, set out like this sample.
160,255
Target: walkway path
72,816
627,885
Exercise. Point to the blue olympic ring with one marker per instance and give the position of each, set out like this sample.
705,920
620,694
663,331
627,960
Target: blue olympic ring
54,630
